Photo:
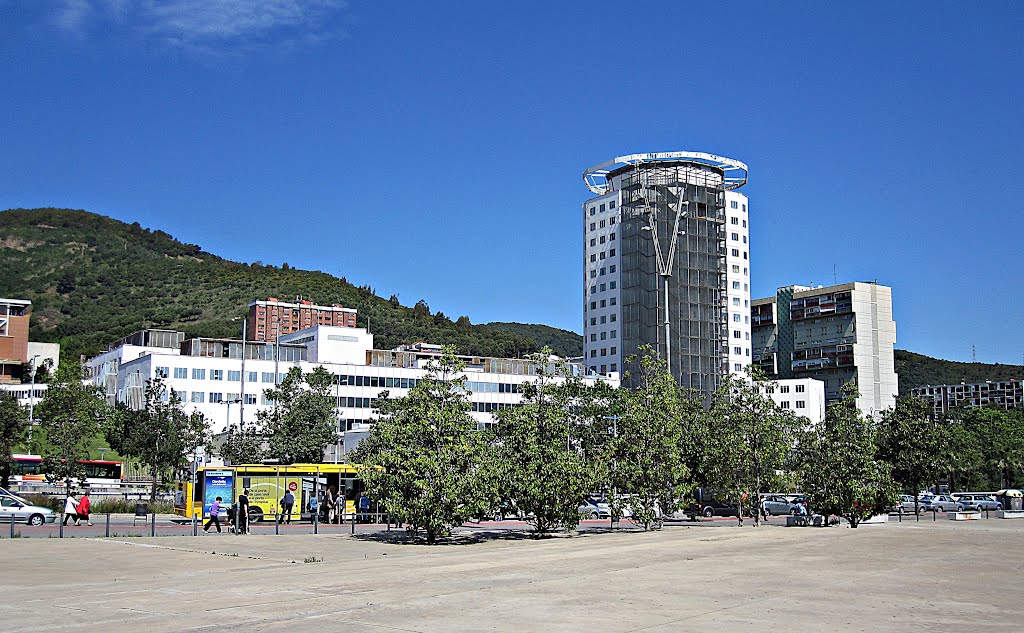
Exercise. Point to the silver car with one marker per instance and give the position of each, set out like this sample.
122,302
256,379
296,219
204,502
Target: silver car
778,505
941,503
24,513
978,502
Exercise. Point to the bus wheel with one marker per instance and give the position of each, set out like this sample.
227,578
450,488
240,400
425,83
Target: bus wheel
255,514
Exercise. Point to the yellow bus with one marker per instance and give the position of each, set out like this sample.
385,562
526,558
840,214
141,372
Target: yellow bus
267,484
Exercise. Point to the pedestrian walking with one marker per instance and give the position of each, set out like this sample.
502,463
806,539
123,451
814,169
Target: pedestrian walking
339,501
329,504
364,508
314,507
70,509
83,508
214,516
287,503
242,521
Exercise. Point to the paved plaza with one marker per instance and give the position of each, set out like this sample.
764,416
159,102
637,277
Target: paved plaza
927,576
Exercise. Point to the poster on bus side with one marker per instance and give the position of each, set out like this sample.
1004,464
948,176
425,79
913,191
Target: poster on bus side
218,483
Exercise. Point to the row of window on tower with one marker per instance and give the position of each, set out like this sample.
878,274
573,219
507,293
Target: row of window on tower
594,210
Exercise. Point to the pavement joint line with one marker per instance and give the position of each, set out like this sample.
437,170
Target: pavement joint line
187,550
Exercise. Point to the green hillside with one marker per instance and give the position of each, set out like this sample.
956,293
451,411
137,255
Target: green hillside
93,279
917,370
562,342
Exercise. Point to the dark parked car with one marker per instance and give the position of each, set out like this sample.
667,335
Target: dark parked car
715,508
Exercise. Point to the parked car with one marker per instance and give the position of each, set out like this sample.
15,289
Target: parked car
905,504
941,503
977,502
593,508
714,508
778,505
24,513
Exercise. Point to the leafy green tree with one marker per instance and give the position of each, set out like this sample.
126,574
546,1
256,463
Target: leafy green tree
13,431
303,421
540,470
748,440
648,472
1001,437
243,445
159,434
964,458
422,459
913,443
70,415
839,469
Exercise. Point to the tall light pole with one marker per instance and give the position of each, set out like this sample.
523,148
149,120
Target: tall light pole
228,420
665,261
32,403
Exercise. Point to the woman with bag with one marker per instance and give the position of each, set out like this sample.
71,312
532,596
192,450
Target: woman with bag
70,509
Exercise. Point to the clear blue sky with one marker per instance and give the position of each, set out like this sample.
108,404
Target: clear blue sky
435,149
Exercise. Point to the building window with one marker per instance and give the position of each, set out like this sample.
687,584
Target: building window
735,333
593,257
614,332
744,254
613,318
250,398
784,389
611,285
736,317
216,374
735,301
612,236
250,376
734,220
267,376
593,305
615,366
604,351
593,242
602,271
602,255
198,374
593,226
602,239
744,224
602,208
593,320
234,376
162,372
593,338
604,336
737,367
614,301
611,253
611,221
735,285
611,205
593,273
611,268
604,287
735,252
181,372
744,239
736,350
800,388
784,404
734,237
198,396
603,320
602,224
801,404
733,204
603,303
593,353
216,398
735,268
592,211
593,289
747,350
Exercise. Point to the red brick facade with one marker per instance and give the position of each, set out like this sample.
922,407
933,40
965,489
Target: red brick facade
271,318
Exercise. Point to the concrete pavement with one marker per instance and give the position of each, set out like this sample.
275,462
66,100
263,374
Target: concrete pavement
928,576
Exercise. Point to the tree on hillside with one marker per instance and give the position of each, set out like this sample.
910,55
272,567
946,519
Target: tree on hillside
838,464
159,433
646,456
303,421
70,415
748,440
423,456
538,467
913,443
13,431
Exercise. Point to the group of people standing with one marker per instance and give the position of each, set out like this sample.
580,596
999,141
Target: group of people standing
77,509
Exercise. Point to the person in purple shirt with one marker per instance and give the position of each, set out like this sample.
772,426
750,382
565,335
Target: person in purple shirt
214,515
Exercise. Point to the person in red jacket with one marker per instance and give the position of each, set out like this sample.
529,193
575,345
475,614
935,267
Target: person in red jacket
83,507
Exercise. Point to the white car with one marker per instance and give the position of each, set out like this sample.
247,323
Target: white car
24,513
941,503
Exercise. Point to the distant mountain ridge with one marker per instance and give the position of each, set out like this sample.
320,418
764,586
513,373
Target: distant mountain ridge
93,279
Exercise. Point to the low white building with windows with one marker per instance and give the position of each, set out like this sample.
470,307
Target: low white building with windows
210,375
802,396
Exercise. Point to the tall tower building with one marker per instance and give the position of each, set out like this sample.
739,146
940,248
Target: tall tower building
661,267
837,334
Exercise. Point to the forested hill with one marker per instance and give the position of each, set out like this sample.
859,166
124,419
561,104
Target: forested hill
93,279
562,342
917,370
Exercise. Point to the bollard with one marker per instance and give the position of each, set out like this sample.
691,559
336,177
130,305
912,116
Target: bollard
195,526
934,514
12,526
277,523
107,532
353,522
316,521
152,525
62,526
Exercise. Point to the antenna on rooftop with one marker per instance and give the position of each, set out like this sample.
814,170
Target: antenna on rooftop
974,354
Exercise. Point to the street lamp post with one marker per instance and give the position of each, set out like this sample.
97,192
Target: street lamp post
32,403
227,422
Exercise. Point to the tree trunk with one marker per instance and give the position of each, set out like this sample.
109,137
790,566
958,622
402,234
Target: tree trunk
152,492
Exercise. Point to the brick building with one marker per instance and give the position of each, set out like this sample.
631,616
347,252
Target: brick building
14,317
272,318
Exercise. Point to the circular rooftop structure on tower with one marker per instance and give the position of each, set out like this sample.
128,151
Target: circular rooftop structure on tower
735,171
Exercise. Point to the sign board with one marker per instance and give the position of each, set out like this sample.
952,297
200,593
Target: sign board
218,483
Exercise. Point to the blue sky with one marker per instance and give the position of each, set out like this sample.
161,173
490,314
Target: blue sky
435,150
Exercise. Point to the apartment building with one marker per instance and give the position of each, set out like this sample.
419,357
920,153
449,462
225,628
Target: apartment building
272,318
1000,394
837,334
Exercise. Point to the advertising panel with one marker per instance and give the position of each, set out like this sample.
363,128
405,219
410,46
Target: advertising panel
218,483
